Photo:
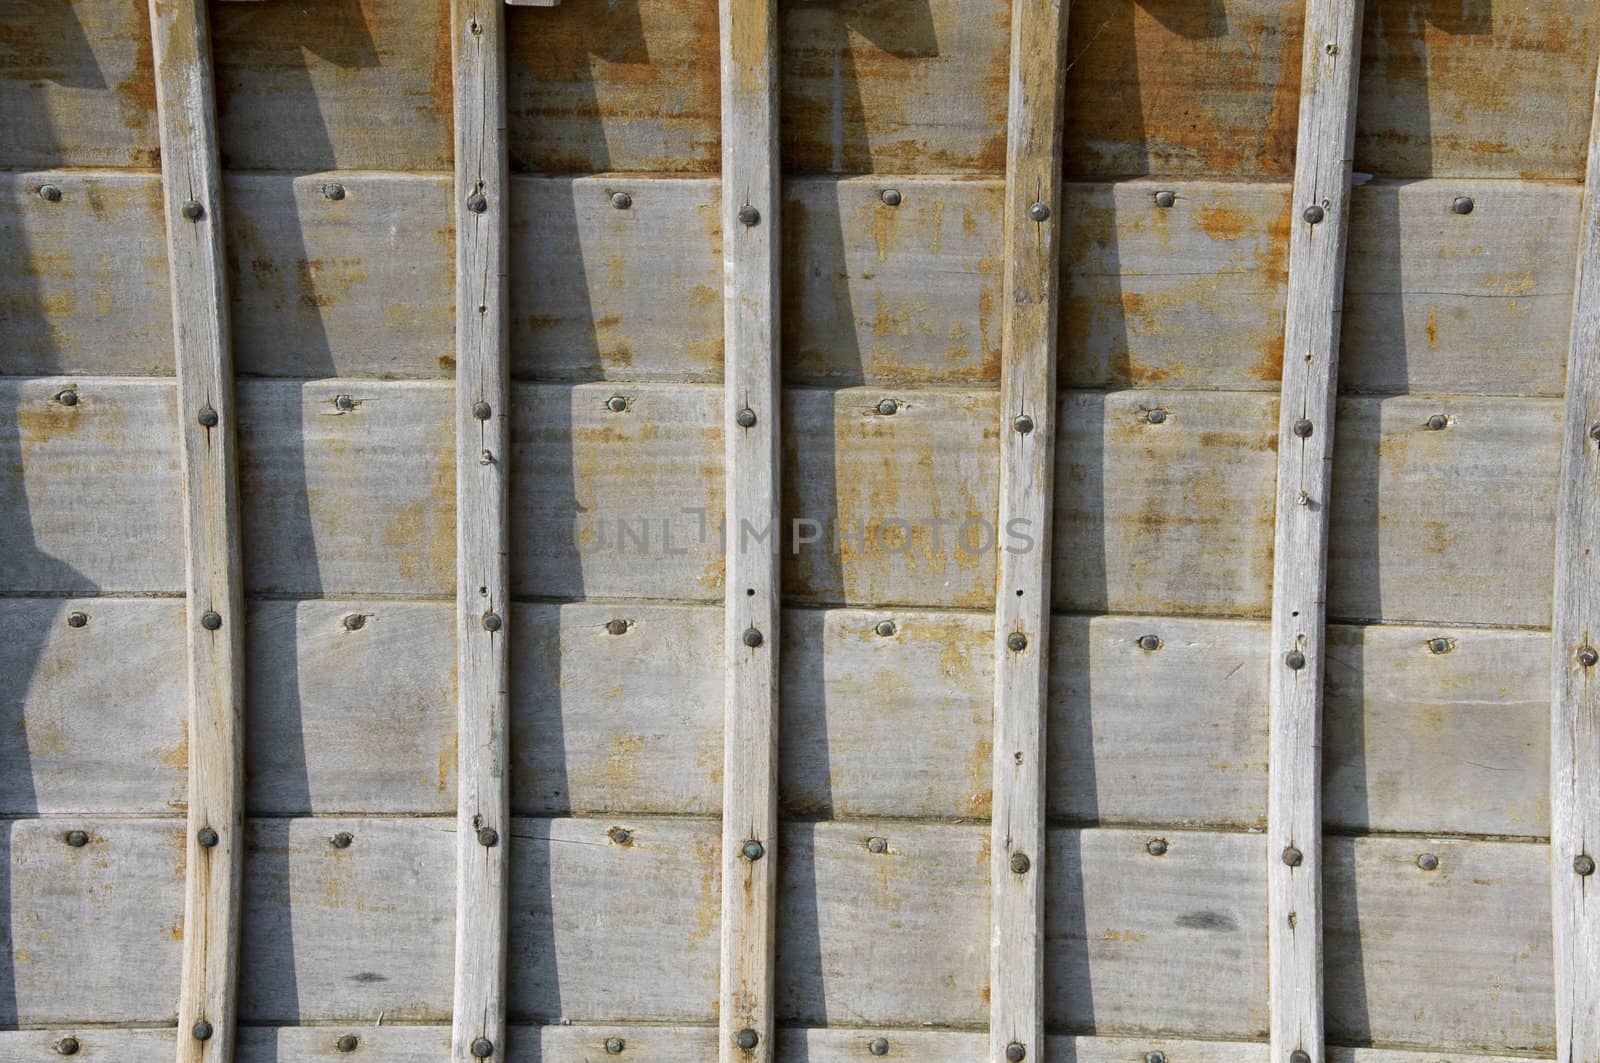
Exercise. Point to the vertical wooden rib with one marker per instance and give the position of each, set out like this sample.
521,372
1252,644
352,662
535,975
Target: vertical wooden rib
750,324
1022,597
1300,542
1575,628
192,198
483,616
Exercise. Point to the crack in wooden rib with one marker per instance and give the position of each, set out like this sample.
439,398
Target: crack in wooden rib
482,406
1300,540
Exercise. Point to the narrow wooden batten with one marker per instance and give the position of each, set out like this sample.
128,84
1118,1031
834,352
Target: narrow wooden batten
750,232
483,614
192,199
1027,463
1575,658
1321,212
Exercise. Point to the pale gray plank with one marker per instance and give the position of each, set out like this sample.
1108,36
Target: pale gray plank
105,1044
320,1044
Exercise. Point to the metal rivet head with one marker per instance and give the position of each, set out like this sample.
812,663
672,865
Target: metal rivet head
1588,656
1314,214
482,1048
885,628
488,837
77,619
1015,1053
621,200
888,407
1438,645
620,836
211,620
878,1046
207,837
1156,847
333,190
50,193
616,404
1438,422
1428,862
749,215
1583,865
615,1045
1299,1055
1302,499
1023,424
877,845
616,627
1295,660
203,1031
746,418
890,197
1165,200
342,840
344,403
347,1043
193,210
1155,1057
1039,212
1020,863
207,417
482,411
477,203
748,1039
752,850
1017,641
1292,856
491,621
1462,205
475,27
1149,643
1302,428
67,1046
354,621
752,638
77,838
67,397
1156,416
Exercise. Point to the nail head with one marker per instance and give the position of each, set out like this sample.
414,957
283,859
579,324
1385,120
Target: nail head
488,837
1438,422
1156,847
1156,416
344,403
888,407
207,837
620,836
67,1046
211,620
67,397
207,417
1314,214
1583,865
614,1046
1292,856
1594,431
1428,862
1023,424
1015,1053
203,1031
877,845
483,1048
621,200
1155,1057
616,404
77,838
891,197
342,840
1020,863
1588,656
885,628
748,1039
746,418
749,215
1039,212
1295,660
1462,205
193,210
347,1043
1149,643
878,1046
616,627
1166,199
482,411
1303,428
1299,1055
1017,641
491,621
77,619
333,190
752,850
477,203
1438,645
50,193
752,638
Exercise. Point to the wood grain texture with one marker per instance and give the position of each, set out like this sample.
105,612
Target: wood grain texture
97,536
94,714
1477,89
1453,525
1297,654
106,1043
1445,303
1031,308
482,511
214,586
608,304
1164,518
1477,926
1575,692
751,853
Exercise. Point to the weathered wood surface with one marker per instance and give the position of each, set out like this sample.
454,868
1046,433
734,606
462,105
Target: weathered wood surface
1476,551
1575,708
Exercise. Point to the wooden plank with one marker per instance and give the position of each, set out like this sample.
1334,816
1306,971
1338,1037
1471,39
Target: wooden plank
847,466
482,511
1300,536
1031,308
341,274
751,218
1192,90
94,711
90,294
613,504
901,294
1168,517
1416,740
100,536
361,85
322,1044
1477,90
350,708
1447,303
214,588
608,304
125,1046
1185,295
1466,527
621,86
348,501
81,917
77,86
875,88
1477,925
1575,696
1174,943
347,933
